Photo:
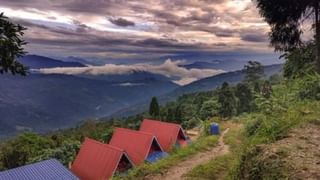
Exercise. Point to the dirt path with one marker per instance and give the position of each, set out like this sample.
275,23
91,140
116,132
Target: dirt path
184,167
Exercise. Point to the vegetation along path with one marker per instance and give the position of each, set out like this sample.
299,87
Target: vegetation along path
179,170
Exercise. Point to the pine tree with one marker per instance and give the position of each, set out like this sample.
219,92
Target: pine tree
11,49
154,109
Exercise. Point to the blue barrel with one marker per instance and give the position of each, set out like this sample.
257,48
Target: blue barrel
214,129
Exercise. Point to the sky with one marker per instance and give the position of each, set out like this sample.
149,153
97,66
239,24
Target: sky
142,31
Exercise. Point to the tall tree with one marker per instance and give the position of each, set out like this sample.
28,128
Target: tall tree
245,97
227,101
285,18
300,61
11,47
253,72
178,114
154,109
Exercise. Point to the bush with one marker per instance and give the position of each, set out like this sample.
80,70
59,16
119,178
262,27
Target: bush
310,88
65,154
253,125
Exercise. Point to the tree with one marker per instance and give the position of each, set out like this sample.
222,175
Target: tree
208,109
253,72
178,114
154,108
285,18
245,97
300,61
19,151
11,47
227,101
65,153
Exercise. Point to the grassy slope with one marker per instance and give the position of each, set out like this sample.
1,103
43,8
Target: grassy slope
277,117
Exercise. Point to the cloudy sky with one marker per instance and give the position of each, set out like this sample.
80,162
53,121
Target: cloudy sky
111,31
135,29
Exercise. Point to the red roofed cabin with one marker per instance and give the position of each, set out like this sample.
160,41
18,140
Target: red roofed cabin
140,146
168,134
96,160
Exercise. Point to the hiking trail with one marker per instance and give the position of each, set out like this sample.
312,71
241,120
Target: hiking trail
179,170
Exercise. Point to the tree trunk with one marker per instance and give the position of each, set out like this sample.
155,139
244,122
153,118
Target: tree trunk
317,23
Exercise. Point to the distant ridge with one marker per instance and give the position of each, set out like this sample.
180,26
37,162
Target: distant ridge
37,62
206,84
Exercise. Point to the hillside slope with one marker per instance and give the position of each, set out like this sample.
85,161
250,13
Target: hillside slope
47,102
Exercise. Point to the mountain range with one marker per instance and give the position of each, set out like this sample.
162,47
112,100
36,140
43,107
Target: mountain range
47,102
38,62
227,65
201,85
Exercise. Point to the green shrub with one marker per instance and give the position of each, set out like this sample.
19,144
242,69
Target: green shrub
253,125
310,88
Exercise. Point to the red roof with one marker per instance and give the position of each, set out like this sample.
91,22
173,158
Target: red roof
96,160
166,133
136,143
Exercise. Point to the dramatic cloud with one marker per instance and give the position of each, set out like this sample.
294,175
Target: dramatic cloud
169,68
122,31
254,38
121,22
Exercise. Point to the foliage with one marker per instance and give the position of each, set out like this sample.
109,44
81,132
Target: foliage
65,153
266,90
19,151
271,121
285,110
311,88
285,17
154,108
300,61
11,47
245,98
227,101
253,72
275,79
209,109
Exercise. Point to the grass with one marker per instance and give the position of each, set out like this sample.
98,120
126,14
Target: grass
214,169
176,156
262,128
